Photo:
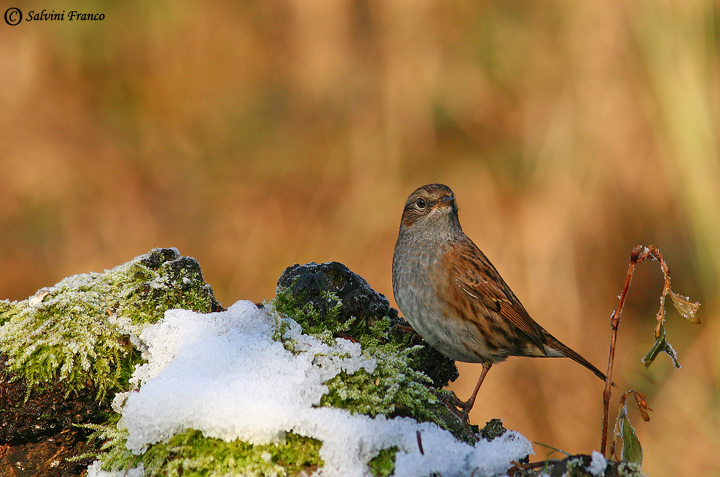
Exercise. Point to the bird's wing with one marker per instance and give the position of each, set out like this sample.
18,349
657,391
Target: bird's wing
482,282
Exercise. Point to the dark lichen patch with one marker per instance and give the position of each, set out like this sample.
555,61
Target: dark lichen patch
191,453
493,429
79,331
307,283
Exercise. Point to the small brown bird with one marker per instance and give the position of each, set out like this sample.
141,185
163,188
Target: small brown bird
455,298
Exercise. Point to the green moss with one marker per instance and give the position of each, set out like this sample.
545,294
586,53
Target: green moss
383,464
394,388
313,322
80,330
7,310
190,453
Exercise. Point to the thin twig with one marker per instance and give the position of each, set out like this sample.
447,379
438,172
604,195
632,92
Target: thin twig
639,253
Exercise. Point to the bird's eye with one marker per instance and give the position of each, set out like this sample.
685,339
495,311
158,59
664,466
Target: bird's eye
420,203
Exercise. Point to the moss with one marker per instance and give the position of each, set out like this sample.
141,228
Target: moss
303,292
80,331
313,321
493,428
7,310
191,453
383,464
395,388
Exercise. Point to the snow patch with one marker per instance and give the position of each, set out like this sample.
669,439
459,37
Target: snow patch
223,374
597,464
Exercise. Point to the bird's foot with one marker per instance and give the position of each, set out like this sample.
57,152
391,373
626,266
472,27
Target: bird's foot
459,407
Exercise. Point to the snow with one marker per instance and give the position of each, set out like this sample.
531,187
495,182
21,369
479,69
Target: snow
597,464
95,470
223,374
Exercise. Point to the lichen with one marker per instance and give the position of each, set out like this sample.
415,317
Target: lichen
629,469
578,466
81,330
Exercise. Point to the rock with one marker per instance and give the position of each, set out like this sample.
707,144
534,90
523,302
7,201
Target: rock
309,285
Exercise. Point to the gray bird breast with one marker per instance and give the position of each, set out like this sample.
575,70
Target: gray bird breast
414,262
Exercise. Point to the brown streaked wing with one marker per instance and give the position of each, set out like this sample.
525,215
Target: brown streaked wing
473,273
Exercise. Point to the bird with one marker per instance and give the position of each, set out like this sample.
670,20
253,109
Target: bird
453,296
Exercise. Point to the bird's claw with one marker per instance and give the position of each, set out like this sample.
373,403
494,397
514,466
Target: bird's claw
459,407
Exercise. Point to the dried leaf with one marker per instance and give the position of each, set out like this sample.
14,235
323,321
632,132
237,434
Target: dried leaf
661,344
642,406
37,298
687,309
631,449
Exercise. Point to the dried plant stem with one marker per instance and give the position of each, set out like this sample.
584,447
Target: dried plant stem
638,254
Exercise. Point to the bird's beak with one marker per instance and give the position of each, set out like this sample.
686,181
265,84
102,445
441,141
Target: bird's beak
446,201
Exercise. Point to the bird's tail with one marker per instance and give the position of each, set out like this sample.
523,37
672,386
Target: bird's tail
562,350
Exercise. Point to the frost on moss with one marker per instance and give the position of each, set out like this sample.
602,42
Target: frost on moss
7,311
81,330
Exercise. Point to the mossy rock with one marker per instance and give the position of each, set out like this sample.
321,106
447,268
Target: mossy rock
310,293
330,300
79,331
65,351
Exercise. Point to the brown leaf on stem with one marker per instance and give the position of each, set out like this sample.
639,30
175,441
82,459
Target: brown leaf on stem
642,406
687,309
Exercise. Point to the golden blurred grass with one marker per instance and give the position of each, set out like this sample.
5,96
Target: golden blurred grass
255,135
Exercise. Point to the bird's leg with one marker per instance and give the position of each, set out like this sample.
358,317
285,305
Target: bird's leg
467,406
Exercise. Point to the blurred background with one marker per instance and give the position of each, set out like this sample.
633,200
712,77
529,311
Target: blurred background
256,135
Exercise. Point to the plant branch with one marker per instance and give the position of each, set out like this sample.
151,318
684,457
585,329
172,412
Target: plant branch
639,253
682,304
